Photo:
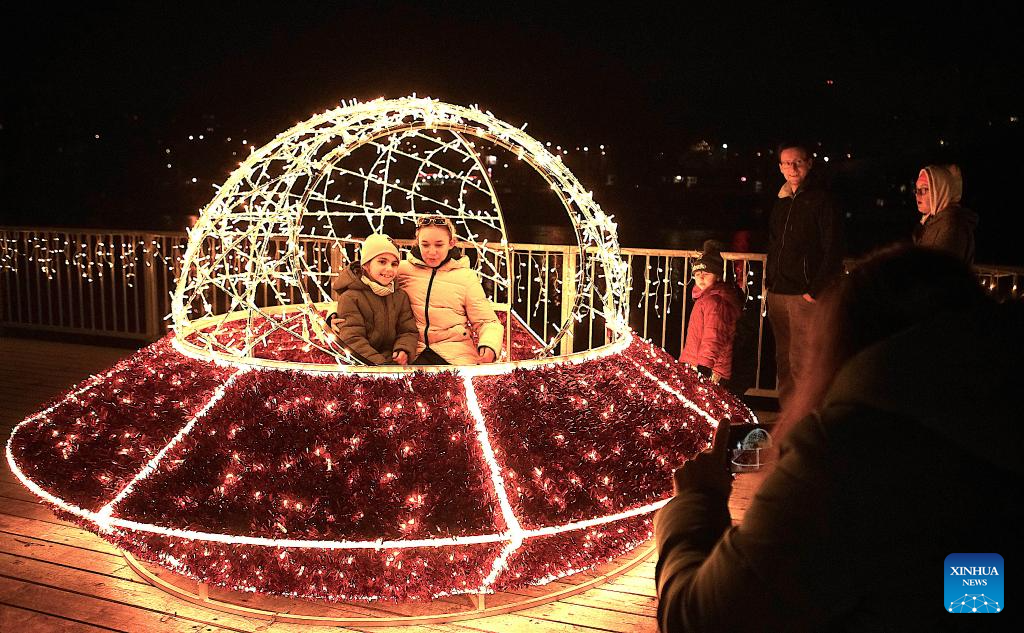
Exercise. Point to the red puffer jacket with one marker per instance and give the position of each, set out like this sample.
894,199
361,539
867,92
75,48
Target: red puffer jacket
712,328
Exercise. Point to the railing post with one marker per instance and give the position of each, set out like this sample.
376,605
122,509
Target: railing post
337,262
153,317
568,296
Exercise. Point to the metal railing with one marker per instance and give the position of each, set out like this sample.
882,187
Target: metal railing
119,284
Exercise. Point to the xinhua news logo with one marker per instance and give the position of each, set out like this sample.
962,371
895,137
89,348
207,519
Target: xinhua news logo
974,583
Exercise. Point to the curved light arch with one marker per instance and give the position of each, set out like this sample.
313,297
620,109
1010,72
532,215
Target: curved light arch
263,201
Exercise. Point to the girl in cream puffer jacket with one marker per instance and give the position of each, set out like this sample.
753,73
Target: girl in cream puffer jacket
449,304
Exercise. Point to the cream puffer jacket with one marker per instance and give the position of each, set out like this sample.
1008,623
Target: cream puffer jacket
449,303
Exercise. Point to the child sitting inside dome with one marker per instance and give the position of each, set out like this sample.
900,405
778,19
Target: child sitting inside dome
376,321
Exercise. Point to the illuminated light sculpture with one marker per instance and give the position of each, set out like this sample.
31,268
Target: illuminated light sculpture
247,450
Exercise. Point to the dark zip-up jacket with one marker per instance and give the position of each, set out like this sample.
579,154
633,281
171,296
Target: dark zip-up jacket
950,230
804,242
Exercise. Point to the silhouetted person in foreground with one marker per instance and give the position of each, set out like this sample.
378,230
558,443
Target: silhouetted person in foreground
901,449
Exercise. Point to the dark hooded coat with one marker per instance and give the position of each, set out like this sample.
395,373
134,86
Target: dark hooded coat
911,458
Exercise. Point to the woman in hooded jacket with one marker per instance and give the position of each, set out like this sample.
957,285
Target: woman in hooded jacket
945,224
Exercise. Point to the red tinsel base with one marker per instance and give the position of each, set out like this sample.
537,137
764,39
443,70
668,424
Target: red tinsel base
346,486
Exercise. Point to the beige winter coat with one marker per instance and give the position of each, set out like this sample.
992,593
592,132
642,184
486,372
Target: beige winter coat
449,304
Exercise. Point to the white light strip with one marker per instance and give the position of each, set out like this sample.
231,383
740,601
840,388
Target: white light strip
306,543
489,369
589,523
150,467
501,562
311,544
515,531
686,401
515,536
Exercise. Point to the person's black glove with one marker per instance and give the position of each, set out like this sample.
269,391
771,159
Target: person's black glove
708,472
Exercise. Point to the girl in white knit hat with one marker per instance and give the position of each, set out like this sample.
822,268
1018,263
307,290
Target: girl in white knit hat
376,321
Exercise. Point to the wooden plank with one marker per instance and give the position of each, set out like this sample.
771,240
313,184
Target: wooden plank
68,591
603,619
643,586
13,489
516,623
29,510
15,618
96,611
62,534
37,550
604,598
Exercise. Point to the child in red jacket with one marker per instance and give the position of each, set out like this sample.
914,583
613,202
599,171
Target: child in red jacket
712,326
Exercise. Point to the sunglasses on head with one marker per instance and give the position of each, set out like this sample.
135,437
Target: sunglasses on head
432,220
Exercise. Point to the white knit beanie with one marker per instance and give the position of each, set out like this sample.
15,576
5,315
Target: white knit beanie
377,244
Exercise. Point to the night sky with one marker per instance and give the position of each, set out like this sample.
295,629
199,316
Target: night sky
894,88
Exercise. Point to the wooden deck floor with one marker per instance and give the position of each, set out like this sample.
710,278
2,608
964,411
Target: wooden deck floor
55,576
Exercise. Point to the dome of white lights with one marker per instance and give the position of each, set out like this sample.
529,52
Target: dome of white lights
259,261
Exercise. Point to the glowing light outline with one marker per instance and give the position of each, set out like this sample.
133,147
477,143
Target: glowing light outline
358,123
150,468
515,530
108,522
490,369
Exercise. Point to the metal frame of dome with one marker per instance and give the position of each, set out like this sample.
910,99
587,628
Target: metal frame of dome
267,198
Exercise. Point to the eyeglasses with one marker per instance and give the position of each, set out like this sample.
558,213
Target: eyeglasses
792,163
432,220
921,191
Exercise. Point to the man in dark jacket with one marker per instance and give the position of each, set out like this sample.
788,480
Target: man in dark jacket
804,254
910,458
